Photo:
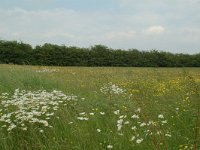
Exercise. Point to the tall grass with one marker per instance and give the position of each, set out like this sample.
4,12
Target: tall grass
115,108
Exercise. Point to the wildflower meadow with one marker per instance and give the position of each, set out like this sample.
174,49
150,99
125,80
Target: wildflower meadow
99,108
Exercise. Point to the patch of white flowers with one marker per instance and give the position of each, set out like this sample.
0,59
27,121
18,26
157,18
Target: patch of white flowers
141,129
30,107
47,70
111,88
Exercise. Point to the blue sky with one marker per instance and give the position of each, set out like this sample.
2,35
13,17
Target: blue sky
169,25
84,5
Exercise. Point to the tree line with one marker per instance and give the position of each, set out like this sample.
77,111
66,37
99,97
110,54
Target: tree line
13,52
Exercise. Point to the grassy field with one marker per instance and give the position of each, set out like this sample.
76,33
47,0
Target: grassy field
62,108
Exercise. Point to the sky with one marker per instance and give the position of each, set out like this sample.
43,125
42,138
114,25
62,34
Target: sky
167,25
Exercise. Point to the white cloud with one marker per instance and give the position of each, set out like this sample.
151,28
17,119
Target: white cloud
40,26
117,30
120,34
155,29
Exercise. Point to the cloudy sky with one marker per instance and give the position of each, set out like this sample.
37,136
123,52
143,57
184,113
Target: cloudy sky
169,25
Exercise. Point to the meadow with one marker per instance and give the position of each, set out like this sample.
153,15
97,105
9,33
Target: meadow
98,108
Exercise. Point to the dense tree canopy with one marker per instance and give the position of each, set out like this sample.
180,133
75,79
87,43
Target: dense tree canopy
12,52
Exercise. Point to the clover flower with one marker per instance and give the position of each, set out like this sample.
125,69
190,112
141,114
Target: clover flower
116,112
161,116
138,141
109,146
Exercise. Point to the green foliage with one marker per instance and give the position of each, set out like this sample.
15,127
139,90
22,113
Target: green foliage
13,52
